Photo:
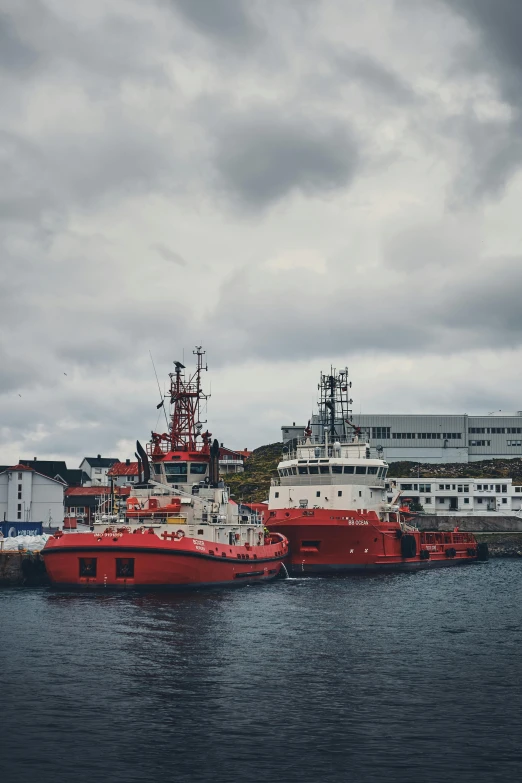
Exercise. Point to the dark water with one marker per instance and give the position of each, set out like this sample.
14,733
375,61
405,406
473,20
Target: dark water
387,678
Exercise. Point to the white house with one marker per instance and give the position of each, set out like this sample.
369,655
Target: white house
28,496
460,496
97,468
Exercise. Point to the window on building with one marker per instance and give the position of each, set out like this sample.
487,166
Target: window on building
427,501
407,486
479,500
466,501
441,486
459,488
504,500
504,487
441,500
497,487
19,477
424,487
382,433
339,493
19,515
466,487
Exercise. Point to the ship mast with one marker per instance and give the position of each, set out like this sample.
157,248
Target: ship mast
334,404
185,395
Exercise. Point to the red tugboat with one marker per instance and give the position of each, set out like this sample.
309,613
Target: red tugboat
330,502
179,529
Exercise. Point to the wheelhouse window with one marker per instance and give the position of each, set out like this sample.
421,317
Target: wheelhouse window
337,468
372,470
176,471
199,469
303,470
324,469
313,469
360,470
157,469
349,468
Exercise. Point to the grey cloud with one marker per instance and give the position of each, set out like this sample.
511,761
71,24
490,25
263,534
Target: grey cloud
227,21
169,255
362,67
492,148
445,300
14,54
263,157
500,26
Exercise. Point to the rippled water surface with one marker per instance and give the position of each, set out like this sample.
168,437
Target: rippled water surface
386,678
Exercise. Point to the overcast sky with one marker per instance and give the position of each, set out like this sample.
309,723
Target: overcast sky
290,183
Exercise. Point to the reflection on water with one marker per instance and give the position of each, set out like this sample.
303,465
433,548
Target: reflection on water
392,677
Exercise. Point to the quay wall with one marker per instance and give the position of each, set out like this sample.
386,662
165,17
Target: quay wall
470,524
22,568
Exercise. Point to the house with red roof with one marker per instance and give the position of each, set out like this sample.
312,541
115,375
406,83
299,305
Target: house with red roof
232,461
123,473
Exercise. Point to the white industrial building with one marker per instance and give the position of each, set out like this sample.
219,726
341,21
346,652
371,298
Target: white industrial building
434,438
28,496
459,496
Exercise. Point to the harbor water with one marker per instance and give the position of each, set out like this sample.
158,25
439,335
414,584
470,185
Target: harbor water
404,677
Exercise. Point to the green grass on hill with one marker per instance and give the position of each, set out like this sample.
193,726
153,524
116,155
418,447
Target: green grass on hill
254,484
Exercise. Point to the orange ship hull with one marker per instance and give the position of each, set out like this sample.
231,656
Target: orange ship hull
145,561
323,541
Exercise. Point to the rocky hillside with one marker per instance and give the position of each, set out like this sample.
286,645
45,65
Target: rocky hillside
254,483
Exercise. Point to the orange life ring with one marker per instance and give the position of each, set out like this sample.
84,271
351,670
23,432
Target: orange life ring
180,534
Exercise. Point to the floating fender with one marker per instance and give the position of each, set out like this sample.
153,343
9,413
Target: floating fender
483,551
451,552
424,554
472,552
408,546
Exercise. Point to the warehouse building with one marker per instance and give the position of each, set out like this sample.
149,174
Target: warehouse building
434,438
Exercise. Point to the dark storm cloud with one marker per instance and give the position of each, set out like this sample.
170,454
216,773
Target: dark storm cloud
226,21
262,157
